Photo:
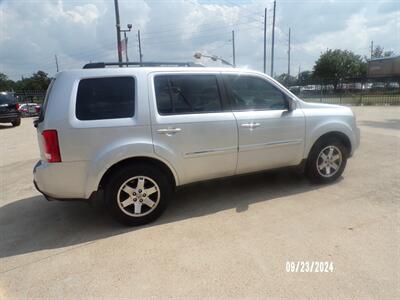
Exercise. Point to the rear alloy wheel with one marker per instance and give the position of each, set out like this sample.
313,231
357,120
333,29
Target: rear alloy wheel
326,161
137,194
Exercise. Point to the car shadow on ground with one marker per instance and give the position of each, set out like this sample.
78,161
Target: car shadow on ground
33,224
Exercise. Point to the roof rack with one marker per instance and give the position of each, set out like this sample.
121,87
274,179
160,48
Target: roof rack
98,65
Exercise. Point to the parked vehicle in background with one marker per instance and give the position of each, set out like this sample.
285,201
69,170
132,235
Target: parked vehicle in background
29,109
9,112
138,133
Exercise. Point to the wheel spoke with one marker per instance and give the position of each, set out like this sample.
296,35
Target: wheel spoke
127,202
140,184
138,207
150,191
324,156
148,202
127,189
335,157
322,166
334,166
328,170
330,152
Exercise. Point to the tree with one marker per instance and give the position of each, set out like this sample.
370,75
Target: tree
38,81
286,80
379,52
335,65
5,83
304,78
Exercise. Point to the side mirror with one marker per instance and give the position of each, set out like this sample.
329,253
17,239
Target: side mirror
291,104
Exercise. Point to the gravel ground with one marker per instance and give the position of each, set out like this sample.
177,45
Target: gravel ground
228,238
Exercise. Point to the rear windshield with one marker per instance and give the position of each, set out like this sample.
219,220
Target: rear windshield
7,98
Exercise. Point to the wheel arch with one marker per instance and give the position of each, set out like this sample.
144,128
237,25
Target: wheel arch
333,134
139,159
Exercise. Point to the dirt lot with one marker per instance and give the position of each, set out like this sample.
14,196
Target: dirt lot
221,239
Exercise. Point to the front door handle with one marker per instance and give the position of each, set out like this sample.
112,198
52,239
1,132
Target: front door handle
251,125
169,131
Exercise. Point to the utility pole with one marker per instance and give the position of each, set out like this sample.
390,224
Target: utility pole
265,41
140,48
55,56
273,42
118,26
129,26
372,48
288,67
233,48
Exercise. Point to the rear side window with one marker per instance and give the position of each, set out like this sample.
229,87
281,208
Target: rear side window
184,94
105,98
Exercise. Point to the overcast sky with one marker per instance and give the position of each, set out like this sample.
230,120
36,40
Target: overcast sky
32,32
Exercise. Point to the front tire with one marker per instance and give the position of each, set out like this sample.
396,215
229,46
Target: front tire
137,194
326,161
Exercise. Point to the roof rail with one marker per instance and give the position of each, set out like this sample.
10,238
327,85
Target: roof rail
98,65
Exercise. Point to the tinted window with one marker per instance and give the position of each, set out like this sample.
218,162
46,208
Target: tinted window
252,93
7,98
105,98
180,94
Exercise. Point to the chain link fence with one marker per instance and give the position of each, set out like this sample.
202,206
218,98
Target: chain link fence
353,91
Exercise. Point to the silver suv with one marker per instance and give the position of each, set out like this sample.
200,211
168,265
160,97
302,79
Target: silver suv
135,134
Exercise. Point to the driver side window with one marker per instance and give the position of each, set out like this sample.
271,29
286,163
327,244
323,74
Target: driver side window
253,93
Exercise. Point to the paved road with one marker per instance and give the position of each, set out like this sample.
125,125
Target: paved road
228,238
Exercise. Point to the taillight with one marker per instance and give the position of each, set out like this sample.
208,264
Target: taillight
17,106
52,149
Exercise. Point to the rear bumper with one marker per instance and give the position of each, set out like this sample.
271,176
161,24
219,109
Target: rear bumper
60,181
9,117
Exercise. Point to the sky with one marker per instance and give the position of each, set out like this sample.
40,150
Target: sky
33,32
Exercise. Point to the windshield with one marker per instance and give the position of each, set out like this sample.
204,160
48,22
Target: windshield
6,98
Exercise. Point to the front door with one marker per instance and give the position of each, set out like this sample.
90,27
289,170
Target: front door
270,135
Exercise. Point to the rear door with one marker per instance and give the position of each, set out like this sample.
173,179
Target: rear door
192,126
270,135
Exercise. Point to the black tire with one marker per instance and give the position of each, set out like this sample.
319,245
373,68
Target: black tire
140,170
312,171
16,122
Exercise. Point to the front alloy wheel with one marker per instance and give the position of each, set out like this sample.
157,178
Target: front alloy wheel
326,161
329,161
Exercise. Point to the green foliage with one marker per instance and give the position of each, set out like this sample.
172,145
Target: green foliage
38,81
5,83
286,80
304,78
379,52
334,65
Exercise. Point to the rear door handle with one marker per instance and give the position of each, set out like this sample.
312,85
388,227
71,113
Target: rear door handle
169,131
251,125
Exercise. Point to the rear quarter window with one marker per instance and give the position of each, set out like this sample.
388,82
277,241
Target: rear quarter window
105,98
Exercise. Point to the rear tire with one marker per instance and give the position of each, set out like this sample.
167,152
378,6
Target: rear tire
16,122
326,161
126,197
